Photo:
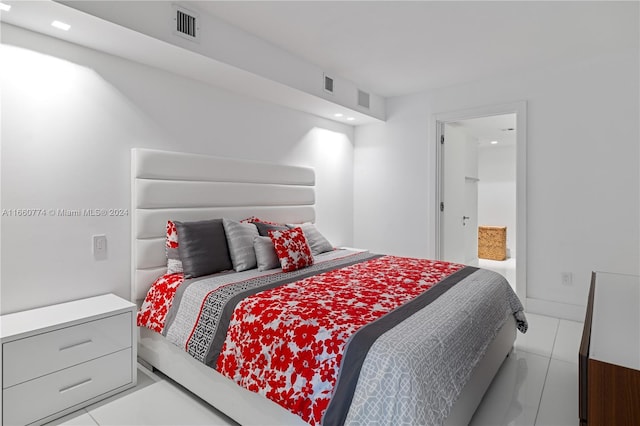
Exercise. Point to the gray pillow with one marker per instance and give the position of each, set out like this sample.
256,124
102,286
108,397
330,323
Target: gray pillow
240,240
264,228
317,242
203,247
266,255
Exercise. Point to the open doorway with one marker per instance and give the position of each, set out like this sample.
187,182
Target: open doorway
492,141
481,158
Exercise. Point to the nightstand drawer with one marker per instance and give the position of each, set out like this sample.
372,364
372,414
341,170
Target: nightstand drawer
58,391
41,354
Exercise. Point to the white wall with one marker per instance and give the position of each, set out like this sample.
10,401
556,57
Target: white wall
582,170
70,116
497,190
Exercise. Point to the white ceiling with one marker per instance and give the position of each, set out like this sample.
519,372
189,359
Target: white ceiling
105,36
389,48
499,128
394,47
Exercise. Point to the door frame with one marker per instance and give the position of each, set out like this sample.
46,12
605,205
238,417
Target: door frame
520,109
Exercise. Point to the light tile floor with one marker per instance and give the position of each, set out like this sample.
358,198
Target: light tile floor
538,383
536,386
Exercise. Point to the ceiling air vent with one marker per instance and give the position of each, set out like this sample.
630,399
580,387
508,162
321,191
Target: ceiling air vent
328,84
363,99
186,23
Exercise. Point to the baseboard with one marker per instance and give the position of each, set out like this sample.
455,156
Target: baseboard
556,309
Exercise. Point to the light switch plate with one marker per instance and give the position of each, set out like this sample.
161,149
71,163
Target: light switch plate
100,247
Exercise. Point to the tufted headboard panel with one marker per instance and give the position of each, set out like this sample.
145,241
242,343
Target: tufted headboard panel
179,186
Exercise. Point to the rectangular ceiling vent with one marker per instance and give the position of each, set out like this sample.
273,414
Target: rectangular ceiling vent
363,99
328,84
185,23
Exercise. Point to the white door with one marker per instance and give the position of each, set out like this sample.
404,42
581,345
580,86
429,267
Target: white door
470,221
459,197
447,231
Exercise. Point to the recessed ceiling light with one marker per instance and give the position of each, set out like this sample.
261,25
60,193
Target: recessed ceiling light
61,25
350,118
5,7
338,114
494,142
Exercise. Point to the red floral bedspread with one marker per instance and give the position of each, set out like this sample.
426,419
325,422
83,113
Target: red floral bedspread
287,343
156,304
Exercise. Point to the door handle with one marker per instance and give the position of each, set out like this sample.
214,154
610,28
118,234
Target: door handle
464,220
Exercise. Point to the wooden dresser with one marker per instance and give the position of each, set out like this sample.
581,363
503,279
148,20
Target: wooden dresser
609,357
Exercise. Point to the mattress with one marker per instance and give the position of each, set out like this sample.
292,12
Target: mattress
356,338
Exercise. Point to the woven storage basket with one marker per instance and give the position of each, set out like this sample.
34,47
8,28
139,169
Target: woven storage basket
492,242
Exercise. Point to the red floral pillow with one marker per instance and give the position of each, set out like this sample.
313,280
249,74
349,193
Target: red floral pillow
254,219
174,264
292,249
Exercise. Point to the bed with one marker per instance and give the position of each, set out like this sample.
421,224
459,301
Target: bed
415,362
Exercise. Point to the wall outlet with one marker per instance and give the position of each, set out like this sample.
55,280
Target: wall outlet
99,247
567,278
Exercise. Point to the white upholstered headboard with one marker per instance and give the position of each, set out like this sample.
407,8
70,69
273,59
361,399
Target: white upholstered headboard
178,186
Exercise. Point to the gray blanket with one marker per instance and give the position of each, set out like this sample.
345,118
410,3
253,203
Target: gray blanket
414,373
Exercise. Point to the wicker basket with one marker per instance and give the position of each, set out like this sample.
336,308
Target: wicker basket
492,242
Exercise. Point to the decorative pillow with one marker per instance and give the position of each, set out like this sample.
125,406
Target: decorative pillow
266,256
203,247
174,264
264,228
317,241
253,219
240,241
292,249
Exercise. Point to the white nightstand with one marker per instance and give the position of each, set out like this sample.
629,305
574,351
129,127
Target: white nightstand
60,358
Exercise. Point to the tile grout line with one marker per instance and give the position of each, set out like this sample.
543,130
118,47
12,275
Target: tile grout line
92,418
546,376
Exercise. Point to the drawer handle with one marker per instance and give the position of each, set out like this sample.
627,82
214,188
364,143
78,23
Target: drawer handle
70,387
84,342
